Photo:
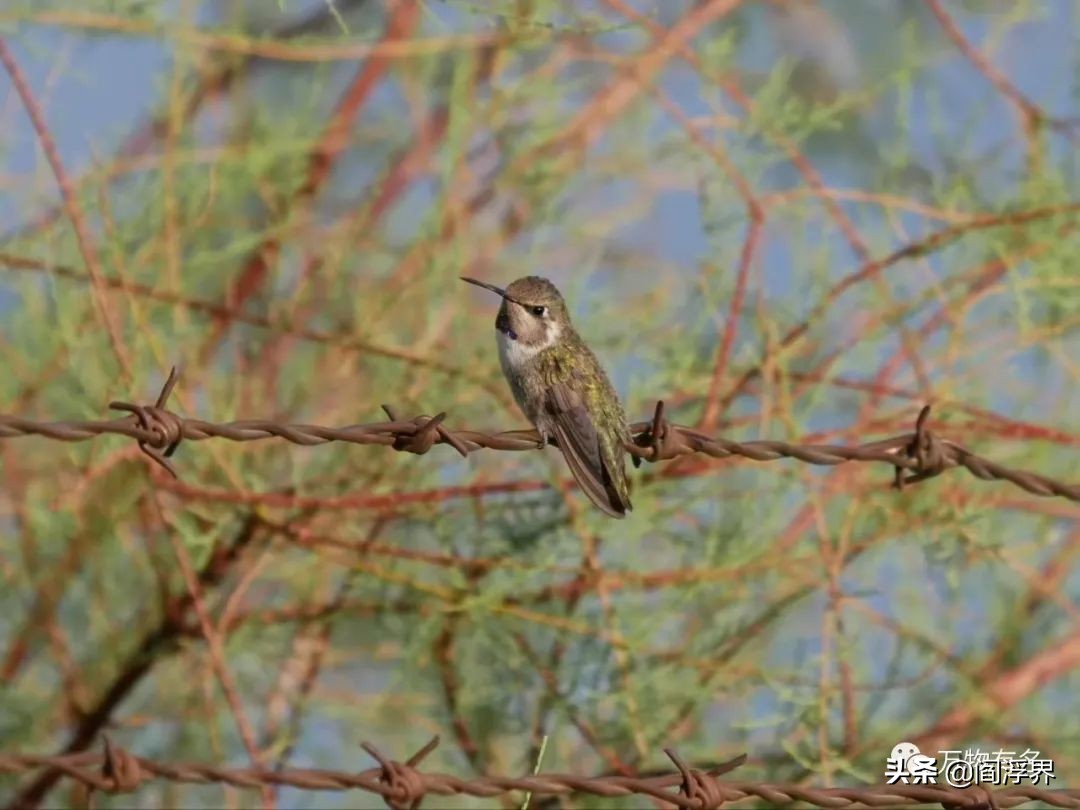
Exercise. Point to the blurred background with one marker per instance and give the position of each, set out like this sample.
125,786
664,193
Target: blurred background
791,220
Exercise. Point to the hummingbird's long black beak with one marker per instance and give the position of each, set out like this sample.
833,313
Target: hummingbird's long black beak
497,290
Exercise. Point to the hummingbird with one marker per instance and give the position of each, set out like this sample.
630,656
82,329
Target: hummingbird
562,389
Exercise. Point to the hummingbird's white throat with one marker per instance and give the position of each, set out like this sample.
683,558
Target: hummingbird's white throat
513,353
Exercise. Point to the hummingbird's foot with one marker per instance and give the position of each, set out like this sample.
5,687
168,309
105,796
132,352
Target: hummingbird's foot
540,445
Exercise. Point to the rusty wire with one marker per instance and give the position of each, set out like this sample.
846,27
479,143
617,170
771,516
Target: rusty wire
921,454
403,785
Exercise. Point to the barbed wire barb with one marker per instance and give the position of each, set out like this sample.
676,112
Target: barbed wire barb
405,783
163,423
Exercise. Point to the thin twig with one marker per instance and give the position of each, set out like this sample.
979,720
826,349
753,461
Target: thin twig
71,205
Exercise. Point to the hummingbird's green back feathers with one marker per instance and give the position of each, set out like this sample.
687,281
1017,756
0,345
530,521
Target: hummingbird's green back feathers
588,422
585,453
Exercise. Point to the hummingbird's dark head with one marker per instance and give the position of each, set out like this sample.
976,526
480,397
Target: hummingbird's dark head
533,313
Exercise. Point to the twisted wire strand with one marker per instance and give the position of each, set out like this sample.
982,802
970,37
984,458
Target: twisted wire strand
404,785
160,431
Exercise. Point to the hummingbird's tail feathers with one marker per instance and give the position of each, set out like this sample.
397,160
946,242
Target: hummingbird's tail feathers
596,488
621,497
580,444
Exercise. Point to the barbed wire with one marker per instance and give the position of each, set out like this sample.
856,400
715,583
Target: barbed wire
403,785
159,432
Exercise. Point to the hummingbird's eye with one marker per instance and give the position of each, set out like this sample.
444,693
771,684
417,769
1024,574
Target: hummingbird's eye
539,312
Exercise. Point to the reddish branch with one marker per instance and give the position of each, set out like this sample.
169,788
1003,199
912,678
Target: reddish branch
216,648
932,242
999,692
714,404
155,643
1030,113
71,205
215,82
403,18
755,213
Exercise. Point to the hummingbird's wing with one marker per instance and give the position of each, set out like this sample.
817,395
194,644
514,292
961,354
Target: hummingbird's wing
580,446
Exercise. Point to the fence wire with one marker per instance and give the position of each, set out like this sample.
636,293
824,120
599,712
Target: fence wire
404,785
915,456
